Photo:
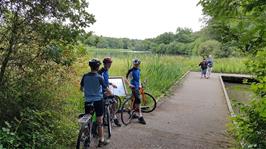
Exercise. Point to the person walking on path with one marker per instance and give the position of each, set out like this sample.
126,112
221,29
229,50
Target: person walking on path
203,66
209,66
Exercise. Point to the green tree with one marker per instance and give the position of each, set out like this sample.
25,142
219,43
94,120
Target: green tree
37,42
184,35
164,38
126,43
208,47
242,22
102,43
36,24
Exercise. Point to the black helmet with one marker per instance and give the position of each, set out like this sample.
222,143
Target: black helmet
136,61
94,63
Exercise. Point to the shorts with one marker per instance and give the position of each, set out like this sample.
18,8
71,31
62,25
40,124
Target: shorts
136,94
98,107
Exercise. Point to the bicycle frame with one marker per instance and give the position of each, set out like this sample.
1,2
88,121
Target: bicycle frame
143,97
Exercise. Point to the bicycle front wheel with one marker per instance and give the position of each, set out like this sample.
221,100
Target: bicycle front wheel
127,111
107,121
148,103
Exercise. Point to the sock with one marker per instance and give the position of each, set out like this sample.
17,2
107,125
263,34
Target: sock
115,117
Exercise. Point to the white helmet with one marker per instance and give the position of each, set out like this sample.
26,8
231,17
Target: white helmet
136,61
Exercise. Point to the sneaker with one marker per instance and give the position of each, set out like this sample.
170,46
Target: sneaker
117,123
142,121
103,143
134,116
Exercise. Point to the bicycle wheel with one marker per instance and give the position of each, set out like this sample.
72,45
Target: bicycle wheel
148,103
117,104
127,111
84,137
107,121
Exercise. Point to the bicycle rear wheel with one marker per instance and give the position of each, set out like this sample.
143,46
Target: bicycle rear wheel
127,111
148,103
84,137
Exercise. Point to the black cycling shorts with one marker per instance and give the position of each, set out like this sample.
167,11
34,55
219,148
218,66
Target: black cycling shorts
98,107
136,94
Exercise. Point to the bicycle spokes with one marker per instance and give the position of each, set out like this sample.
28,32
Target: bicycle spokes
127,111
148,103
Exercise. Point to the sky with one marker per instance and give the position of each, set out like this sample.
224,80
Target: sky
141,19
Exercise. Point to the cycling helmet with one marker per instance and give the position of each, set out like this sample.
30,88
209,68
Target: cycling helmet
136,61
94,63
107,60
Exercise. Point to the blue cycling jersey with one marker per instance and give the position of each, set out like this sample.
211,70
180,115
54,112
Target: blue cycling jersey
134,74
105,74
93,86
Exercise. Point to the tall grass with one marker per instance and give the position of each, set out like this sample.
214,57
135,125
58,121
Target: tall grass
159,71
224,65
231,65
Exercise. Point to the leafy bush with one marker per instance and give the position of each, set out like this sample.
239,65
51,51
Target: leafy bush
250,124
32,130
257,67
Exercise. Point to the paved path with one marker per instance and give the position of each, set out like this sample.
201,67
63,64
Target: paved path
193,117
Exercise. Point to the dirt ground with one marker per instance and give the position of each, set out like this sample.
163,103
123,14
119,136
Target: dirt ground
194,116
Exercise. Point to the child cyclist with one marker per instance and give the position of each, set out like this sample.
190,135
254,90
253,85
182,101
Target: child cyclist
107,62
203,64
134,75
92,84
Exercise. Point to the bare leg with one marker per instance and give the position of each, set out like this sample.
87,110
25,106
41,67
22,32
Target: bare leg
100,127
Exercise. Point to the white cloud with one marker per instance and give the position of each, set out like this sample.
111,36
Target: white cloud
140,19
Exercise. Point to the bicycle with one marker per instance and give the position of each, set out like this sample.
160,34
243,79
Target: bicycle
117,103
111,103
88,126
148,104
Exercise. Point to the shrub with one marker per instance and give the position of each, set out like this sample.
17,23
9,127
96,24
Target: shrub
250,124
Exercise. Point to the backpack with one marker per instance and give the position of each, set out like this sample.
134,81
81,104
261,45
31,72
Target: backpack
209,63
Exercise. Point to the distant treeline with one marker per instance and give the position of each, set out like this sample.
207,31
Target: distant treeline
183,42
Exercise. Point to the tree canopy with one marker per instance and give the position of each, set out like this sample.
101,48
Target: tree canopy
37,45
